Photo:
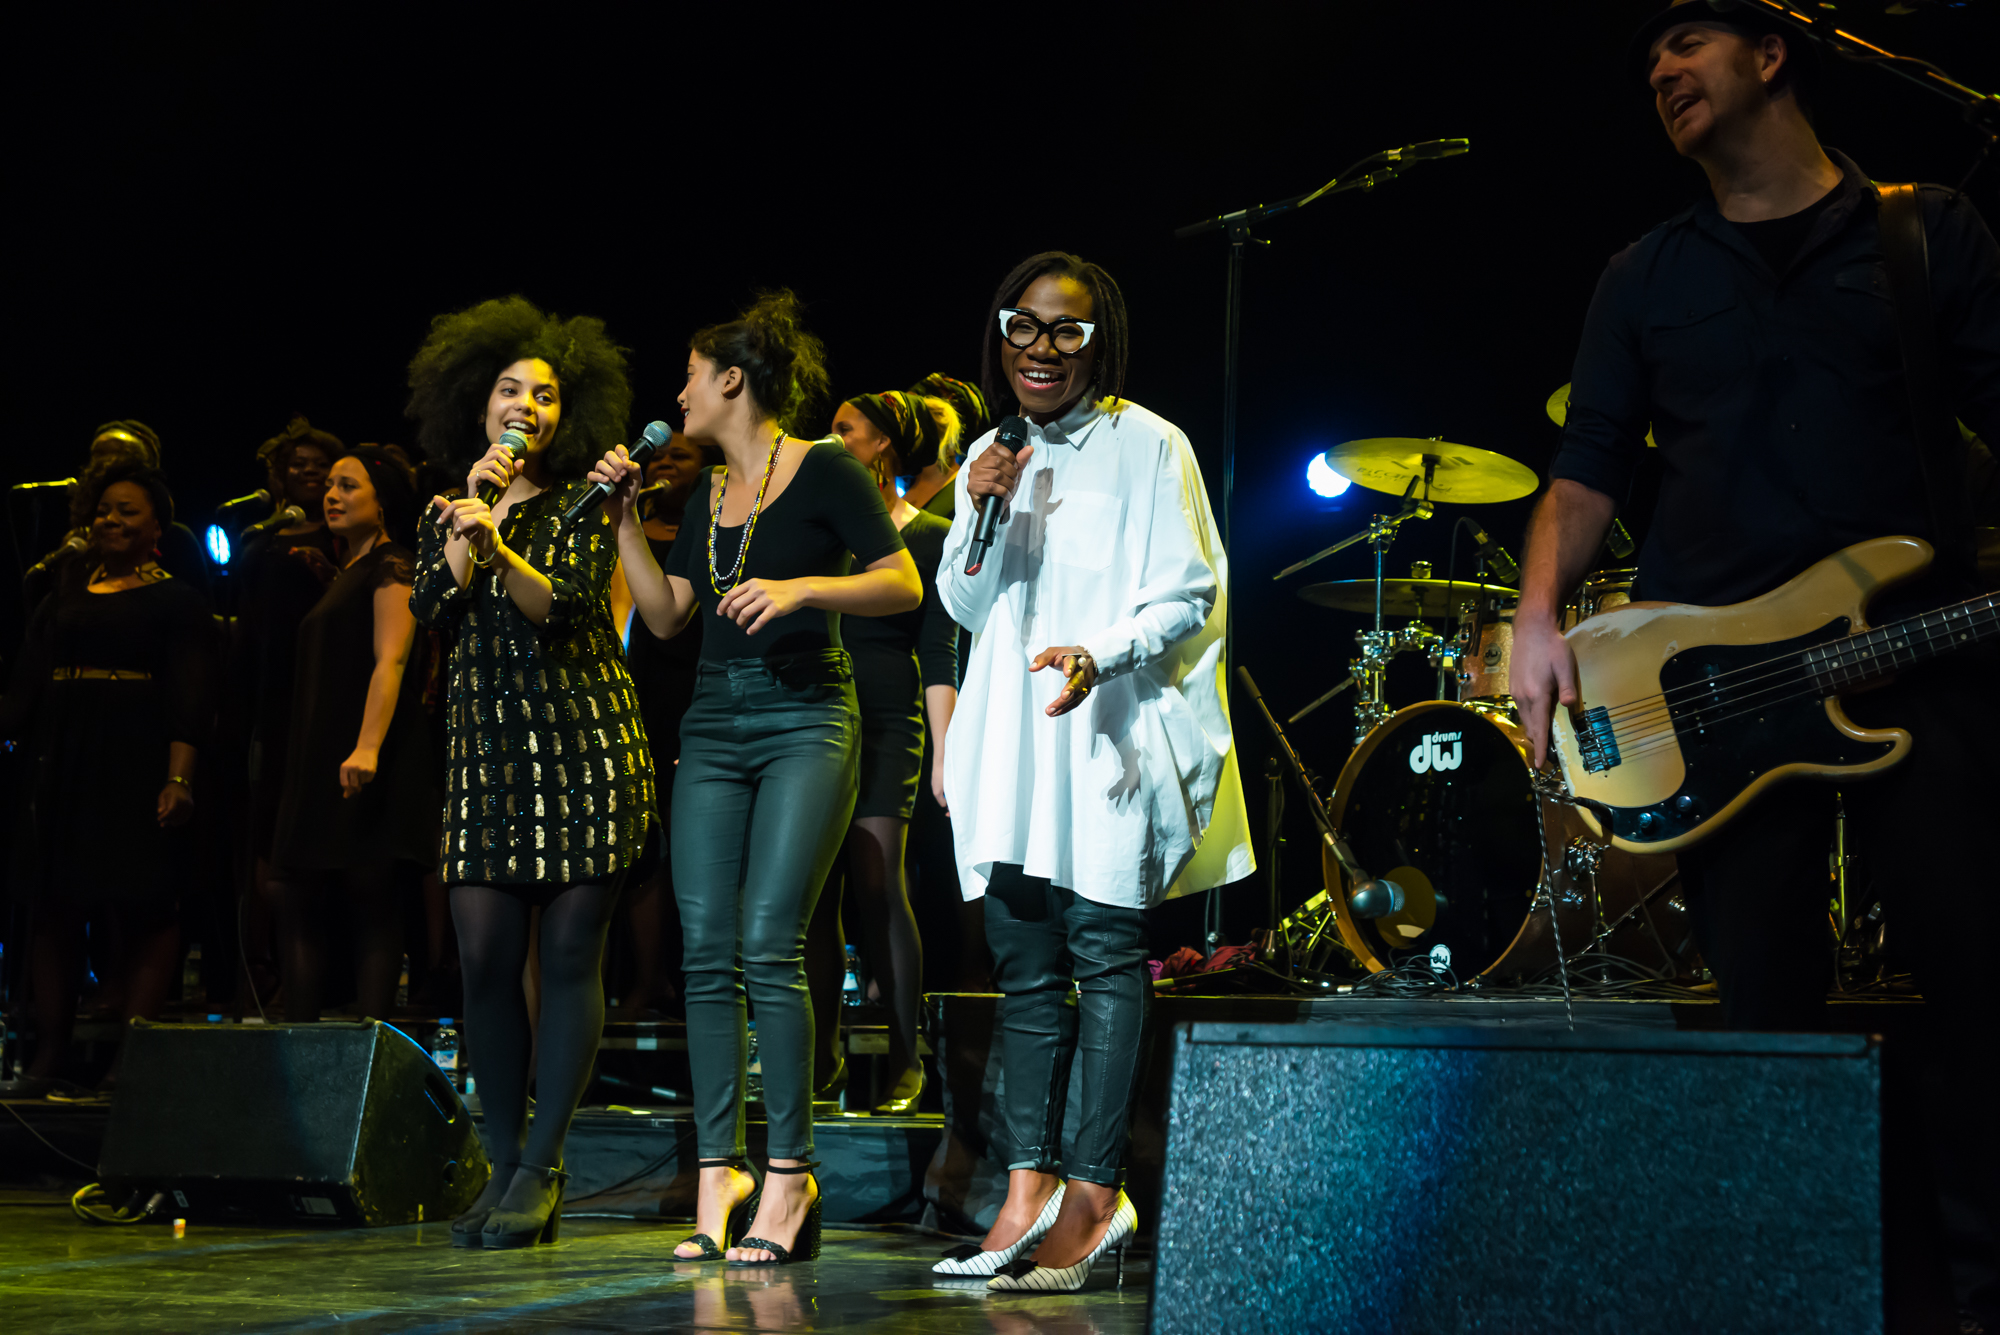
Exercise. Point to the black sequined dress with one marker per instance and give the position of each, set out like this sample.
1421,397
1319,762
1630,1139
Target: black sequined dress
548,777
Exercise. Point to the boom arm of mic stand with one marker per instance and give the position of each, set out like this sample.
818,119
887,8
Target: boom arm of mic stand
1981,109
1413,508
1338,846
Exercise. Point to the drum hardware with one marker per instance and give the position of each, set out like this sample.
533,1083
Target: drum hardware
1421,472
1313,916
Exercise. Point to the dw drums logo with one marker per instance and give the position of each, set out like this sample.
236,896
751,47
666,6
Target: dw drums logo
1430,752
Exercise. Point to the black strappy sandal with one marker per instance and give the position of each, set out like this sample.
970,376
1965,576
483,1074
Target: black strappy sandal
733,1225
507,1229
466,1229
805,1247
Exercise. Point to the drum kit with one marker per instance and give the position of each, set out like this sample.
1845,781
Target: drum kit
1441,847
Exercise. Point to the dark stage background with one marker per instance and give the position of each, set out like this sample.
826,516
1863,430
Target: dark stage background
236,213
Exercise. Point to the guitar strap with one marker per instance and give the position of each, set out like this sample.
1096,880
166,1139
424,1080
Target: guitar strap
1905,251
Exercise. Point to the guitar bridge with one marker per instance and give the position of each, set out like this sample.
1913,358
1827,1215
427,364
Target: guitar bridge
1595,741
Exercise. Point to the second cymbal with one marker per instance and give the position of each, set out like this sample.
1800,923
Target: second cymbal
1458,473
1402,597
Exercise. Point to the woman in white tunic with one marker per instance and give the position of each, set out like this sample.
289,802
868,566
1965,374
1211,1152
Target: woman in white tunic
1083,796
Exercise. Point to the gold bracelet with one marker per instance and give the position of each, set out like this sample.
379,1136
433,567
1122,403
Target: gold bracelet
175,778
474,551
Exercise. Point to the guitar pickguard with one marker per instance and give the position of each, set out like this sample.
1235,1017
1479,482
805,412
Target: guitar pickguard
1739,711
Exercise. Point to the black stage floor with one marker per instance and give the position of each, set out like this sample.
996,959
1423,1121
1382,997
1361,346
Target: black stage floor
59,1275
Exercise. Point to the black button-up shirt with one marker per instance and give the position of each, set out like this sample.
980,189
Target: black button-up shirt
1777,399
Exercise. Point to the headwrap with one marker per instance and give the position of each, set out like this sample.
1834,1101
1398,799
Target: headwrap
974,417
277,451
144,434
395,489
903,420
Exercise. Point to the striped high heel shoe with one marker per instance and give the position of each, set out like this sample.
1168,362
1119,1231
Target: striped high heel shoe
1025,1276
968,1259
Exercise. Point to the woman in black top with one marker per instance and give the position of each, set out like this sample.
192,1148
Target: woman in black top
768,749
663,672
905,667
360,791
114,694
548,780
946,401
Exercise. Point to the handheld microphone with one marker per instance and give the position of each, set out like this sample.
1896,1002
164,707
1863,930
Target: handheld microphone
651,441
517,444
260,496
37,486
1502,566
1013,435
1619,540
291,514
1429,150
1376,899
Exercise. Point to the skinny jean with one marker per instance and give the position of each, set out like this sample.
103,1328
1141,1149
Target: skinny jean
762,798
1043,937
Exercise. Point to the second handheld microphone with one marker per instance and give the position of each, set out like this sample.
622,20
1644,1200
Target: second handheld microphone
1013,434
518,445
651,441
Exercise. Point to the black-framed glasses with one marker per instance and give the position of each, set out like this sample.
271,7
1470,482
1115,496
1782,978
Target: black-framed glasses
1022,330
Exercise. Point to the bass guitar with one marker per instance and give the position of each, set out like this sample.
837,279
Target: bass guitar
1686,713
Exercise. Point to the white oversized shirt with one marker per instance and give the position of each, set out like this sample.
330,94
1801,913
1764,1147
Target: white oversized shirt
1133,796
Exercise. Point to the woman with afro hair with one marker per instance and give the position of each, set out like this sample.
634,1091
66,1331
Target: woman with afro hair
769,748
548,779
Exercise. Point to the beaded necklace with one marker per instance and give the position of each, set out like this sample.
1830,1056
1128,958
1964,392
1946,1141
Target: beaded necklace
715,577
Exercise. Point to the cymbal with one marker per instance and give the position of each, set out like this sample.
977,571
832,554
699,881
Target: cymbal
1458,473
1402,597
1558,411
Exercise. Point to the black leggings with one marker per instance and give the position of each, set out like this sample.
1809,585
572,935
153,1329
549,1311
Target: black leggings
492,927
1043,937
303,900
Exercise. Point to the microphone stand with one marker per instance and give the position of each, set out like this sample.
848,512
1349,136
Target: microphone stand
1982,110
1236,227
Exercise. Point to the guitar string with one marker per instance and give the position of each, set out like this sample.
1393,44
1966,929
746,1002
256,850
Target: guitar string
1992,608
1977,618
1655,739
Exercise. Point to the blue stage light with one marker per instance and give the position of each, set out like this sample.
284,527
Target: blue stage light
218,544
1323,480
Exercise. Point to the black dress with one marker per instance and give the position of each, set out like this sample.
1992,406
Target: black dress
106,681
895,658
394,818
281,583
548,778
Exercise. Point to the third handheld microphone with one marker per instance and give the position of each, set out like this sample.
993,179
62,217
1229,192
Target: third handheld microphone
1013,434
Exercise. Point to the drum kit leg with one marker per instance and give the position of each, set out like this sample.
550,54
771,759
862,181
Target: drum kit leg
1442,851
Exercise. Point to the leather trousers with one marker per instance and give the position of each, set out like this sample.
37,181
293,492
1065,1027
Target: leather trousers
1043,937
762,798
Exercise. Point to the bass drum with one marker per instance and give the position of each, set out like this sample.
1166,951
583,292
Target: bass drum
1439,799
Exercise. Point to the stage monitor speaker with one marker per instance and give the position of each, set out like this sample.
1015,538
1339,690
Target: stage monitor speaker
1342,1177
331,1123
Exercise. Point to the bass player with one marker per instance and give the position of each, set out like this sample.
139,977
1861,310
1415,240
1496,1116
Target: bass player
1756,333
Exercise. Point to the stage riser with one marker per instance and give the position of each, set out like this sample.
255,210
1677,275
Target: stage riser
1320,1178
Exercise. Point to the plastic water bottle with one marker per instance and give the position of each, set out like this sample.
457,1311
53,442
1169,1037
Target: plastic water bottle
444,1051
850,988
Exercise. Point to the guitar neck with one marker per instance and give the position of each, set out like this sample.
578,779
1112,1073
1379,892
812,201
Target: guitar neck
1842,664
